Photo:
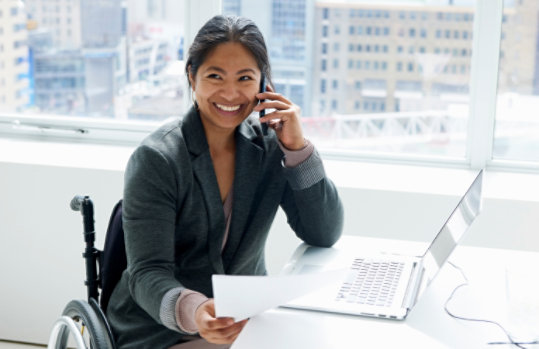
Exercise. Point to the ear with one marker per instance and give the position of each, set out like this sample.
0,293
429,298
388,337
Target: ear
191,78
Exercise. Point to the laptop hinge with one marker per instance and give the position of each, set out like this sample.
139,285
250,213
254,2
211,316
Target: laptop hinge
410,297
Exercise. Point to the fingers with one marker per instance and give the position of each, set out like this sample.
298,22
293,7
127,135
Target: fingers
223,335
284,119
282,111
216,330
273,96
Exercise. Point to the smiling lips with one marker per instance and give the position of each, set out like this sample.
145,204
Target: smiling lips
228,108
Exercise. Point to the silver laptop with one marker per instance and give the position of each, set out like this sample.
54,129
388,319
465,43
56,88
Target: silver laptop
388,286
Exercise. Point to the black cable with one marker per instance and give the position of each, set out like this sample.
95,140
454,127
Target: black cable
511,340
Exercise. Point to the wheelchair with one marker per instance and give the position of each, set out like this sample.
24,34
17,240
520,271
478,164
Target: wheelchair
84,320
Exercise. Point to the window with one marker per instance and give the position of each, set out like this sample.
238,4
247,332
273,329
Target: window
442,63
516,134
325,13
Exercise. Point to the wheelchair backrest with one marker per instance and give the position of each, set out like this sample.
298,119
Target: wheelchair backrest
113,257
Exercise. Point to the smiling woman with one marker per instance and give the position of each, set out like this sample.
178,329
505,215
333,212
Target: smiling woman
225,87
201,195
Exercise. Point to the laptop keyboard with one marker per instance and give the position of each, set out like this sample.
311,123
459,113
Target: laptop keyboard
371,282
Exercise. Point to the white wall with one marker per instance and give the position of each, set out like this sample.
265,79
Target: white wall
41,267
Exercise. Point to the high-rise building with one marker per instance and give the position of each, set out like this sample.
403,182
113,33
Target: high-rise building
14,68
372,58
62,18
519,52
287,27
376,58
83,69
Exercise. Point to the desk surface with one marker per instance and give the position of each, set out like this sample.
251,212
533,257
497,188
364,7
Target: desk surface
428,325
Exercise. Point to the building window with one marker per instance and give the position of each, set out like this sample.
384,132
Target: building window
325,13
324,48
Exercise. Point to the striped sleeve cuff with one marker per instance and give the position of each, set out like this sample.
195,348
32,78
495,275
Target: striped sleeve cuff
307,173
186,306
178,308
292,158
167,312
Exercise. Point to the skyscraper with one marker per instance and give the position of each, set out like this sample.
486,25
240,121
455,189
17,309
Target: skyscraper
83,69
287,27
14,69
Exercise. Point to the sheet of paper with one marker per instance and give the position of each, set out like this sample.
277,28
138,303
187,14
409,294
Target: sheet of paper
242,297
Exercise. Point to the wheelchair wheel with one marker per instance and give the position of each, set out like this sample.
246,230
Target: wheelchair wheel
90,329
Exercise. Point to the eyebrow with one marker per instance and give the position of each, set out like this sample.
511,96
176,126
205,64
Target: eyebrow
221,70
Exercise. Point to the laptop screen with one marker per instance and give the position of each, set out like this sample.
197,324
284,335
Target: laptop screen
452,231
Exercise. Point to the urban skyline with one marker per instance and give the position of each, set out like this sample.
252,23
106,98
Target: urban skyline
329,57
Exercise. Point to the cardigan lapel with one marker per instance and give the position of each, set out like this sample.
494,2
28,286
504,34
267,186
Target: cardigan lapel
247,175
204,174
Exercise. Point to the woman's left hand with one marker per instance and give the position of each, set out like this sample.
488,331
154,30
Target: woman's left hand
285,120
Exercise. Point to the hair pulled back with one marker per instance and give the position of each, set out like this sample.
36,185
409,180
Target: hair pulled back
223,29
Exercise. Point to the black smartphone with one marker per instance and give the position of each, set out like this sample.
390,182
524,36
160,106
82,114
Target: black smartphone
263,111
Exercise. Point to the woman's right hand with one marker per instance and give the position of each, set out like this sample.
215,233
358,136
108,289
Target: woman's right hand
221,330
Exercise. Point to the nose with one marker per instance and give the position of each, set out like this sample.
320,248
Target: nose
230,91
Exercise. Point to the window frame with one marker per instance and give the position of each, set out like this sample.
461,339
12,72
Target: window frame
484,64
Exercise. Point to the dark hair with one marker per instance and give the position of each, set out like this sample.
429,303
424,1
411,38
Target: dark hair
222,29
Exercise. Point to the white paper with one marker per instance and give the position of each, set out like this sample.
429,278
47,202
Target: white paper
242,297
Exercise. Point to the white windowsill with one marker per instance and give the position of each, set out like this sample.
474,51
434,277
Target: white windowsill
345,174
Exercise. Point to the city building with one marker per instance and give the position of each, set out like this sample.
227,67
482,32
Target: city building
84,67
287,26
374,58
14,68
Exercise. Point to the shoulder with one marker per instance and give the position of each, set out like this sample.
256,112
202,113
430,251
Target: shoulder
166,138
161,149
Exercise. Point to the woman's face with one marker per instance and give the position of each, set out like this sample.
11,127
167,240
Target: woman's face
225,86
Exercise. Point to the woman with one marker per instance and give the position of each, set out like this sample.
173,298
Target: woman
201,194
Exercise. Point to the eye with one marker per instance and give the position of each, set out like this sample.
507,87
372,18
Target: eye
245,78
214,76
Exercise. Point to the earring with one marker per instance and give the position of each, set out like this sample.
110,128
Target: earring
193,99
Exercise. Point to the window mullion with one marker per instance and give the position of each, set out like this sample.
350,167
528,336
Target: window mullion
484,81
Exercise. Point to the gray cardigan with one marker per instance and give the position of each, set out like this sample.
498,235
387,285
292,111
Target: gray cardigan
174,221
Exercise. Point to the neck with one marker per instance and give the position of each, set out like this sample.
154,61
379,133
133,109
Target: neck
220,140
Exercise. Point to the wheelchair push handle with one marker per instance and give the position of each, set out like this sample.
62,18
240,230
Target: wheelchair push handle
86,208
91,254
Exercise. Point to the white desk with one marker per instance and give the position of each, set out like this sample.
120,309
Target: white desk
427,326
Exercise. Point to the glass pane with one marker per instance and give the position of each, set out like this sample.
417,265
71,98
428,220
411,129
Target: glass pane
517,121
372,77
108,58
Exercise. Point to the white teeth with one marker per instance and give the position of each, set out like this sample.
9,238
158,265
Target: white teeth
228,108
